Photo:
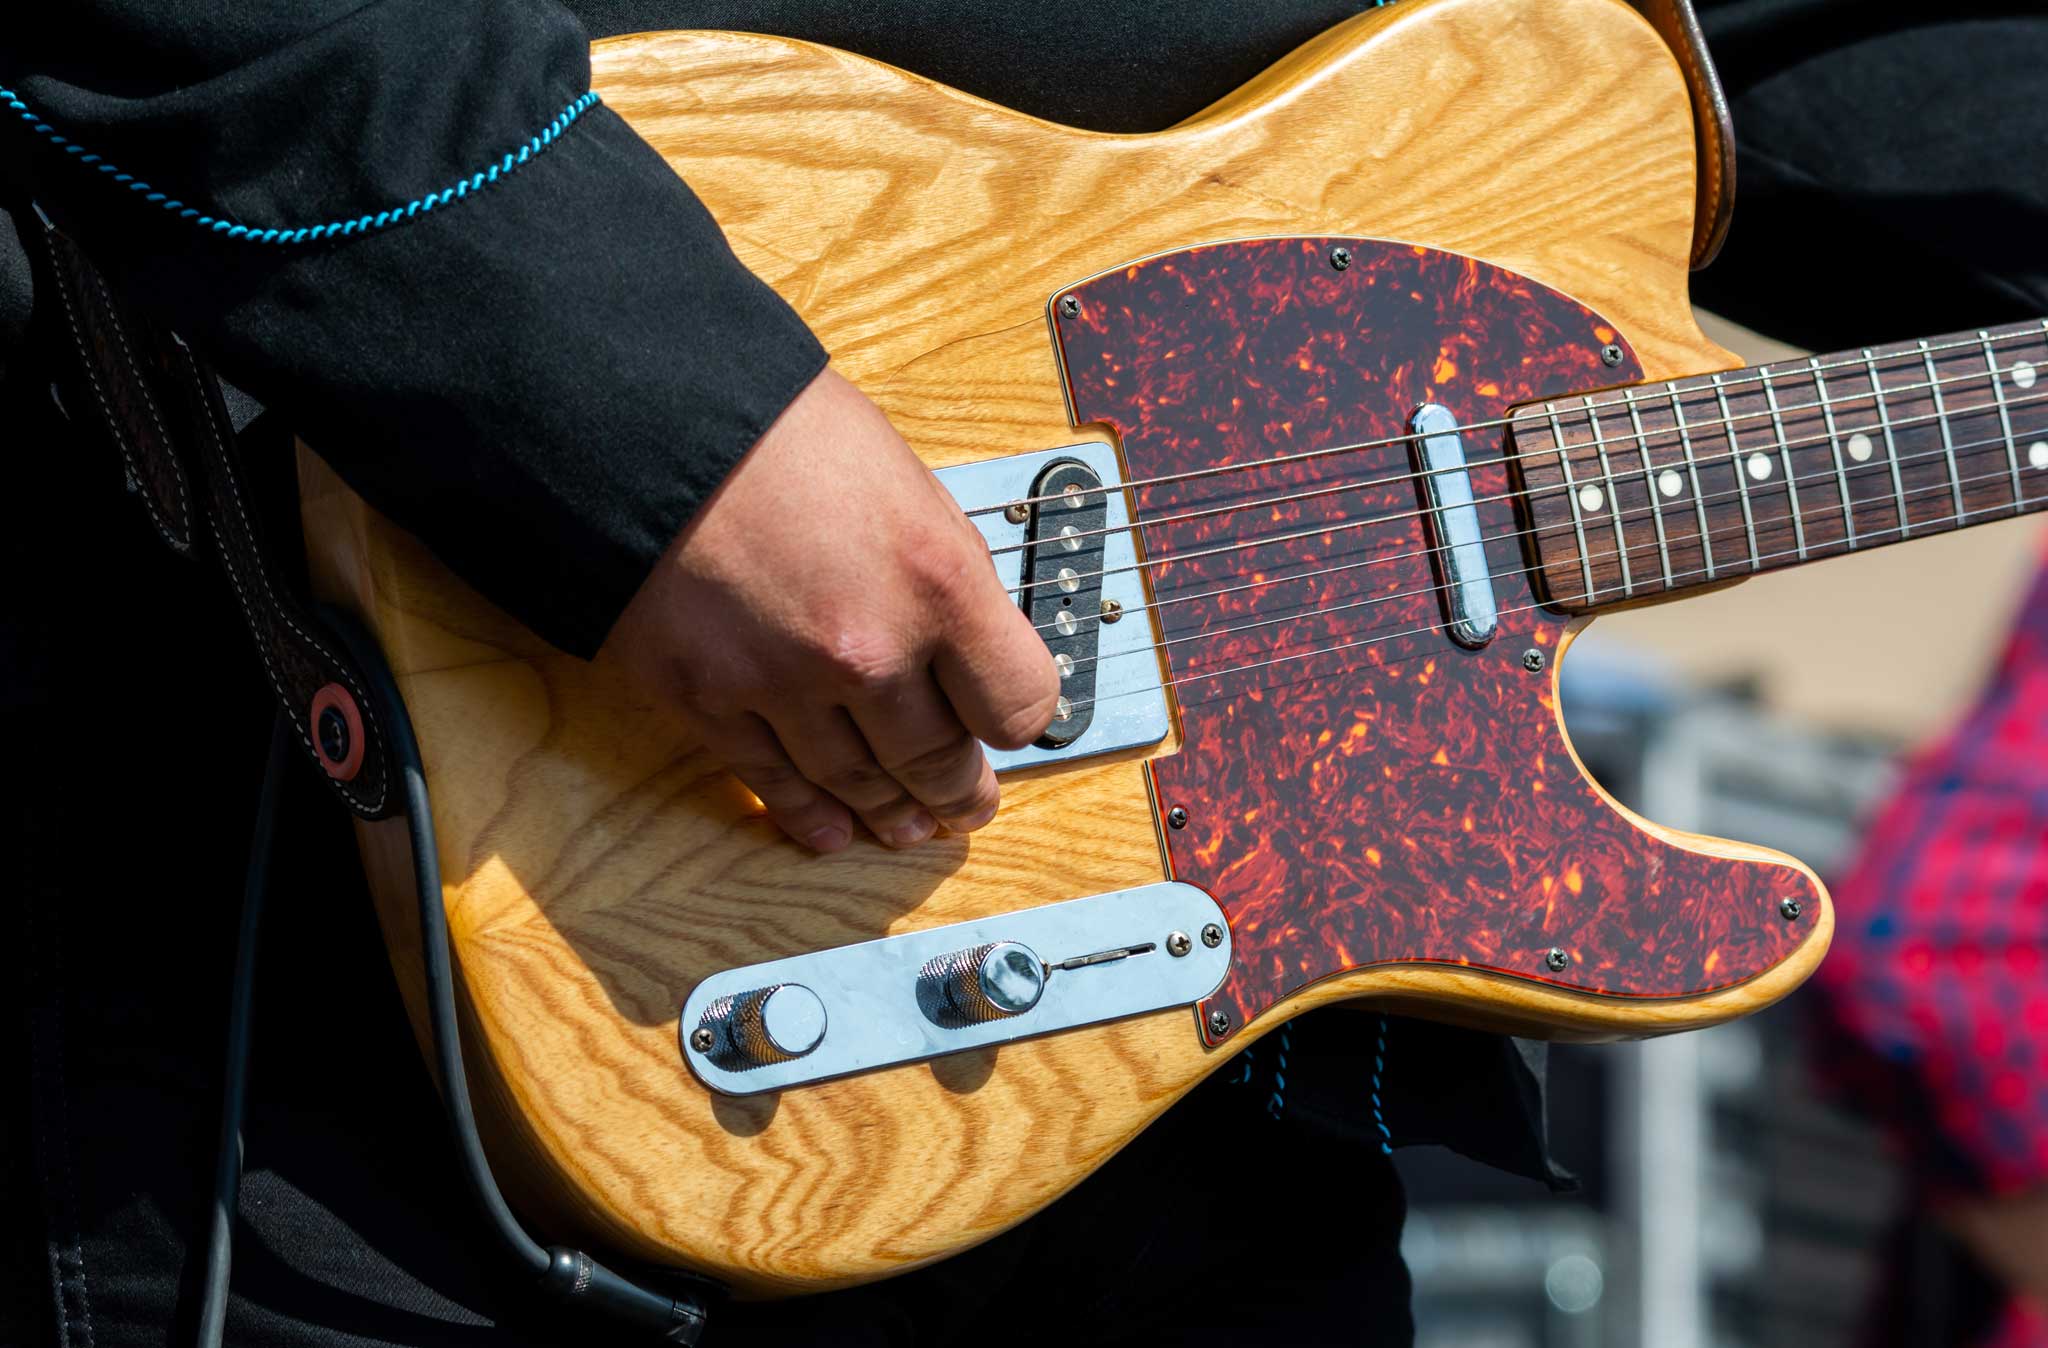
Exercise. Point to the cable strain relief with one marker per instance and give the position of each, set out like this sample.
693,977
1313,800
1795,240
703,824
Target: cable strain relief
573,1277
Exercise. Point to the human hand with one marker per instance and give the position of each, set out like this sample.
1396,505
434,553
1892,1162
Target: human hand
831,626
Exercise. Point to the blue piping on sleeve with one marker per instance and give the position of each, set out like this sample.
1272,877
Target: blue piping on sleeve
1379,1065
362,224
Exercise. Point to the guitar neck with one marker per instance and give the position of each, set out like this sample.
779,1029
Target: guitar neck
1657,489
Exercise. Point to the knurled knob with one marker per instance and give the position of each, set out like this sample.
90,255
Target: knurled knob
988,982
766,1025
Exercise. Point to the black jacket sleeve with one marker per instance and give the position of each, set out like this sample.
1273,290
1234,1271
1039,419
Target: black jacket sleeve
473,290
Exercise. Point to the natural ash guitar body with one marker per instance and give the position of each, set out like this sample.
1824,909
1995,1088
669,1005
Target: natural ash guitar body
1409,827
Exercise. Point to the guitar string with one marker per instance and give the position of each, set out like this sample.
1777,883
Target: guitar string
1665,507
1955,520
1641,438
1764,374
1607,480
1824,475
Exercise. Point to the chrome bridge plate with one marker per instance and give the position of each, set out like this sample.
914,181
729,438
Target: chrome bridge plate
1129,708
1106,956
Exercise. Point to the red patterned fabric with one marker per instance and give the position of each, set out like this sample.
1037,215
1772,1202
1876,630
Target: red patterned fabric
1939,975
1936,991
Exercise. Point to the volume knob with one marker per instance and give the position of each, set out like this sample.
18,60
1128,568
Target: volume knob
767,1025
988,982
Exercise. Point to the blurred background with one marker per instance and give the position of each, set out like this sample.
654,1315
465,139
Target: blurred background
1727,1204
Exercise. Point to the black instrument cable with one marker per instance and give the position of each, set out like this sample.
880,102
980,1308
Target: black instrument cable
564,1274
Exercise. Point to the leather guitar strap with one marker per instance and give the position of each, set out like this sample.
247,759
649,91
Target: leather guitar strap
163,410
1713,130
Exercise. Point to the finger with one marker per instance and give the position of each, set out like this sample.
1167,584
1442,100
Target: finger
829,749
995,669
916,737
746,745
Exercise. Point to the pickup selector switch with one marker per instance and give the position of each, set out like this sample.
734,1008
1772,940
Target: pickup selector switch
988,982
774,1024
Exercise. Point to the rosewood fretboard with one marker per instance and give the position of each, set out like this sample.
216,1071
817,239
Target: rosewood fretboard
1666,486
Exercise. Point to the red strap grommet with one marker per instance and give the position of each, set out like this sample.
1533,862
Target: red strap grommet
336,724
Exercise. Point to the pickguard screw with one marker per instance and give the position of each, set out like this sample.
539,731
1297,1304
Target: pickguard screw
1533,660
1219,1023
1557,960
1212,936
1790,909
1018,513
1340,257
701,1040
1110,611
1610,354
1178,944
1069,307
1177,817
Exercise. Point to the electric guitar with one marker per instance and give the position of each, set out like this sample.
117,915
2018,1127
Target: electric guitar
1308,432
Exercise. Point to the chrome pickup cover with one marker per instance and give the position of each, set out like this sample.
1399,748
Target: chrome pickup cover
1129,702
877,1008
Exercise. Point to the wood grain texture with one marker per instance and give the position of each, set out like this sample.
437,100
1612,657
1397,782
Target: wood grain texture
598,866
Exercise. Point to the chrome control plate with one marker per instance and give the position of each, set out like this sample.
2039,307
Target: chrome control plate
879,1012
1130,698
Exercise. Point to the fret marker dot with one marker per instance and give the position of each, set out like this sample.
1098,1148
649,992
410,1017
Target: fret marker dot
2023,374
1759,466
2037,454
1860,447
1669,482
1590,498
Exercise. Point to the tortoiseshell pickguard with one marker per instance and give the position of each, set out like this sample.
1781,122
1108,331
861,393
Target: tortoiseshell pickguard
1374,792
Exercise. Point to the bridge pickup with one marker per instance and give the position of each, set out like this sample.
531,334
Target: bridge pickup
1454,526
1127,703
1062,591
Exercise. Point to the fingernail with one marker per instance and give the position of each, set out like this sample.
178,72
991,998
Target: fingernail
914,830
829,838
969,823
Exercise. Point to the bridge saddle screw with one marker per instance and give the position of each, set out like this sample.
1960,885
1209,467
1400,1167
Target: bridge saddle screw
1219,1023
1789,909
1212,936
1533,660
1017,513
1340,257
1177,817
1178,944
1110,611
1610,355
702,1039
1069,307
1557,960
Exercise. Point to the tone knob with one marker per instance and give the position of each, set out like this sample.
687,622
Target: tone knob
988,982
767,1025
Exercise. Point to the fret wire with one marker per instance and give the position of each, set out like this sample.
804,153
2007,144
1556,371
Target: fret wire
1628,585
2012,452
1649,485
1891,448
1741,476
1571,495
1941,424
1827,412
1692,469
2044,335
1785,459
